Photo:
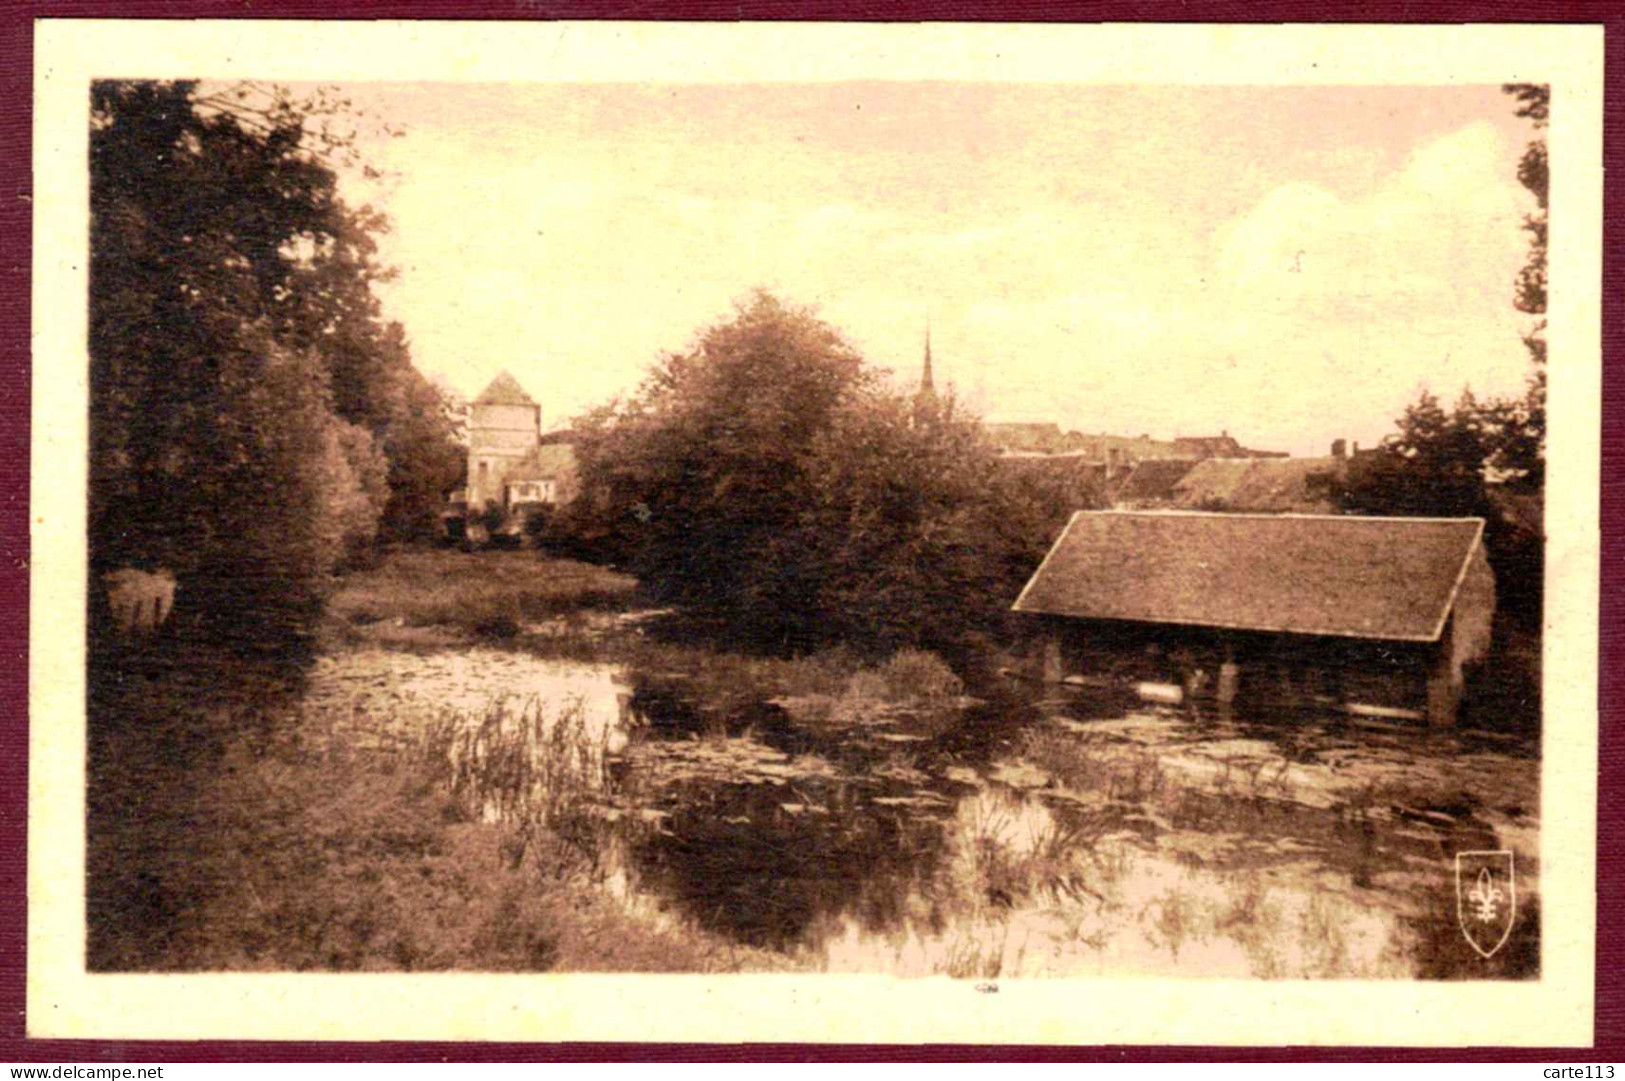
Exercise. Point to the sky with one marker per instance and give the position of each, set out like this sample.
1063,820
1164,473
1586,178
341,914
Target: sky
1289,265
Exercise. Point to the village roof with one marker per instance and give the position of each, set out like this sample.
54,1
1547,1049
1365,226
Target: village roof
548,461
1270,485
1042,436
1206,446
1223,445
1382,578
504,390
1035,427
1154,478
1085,475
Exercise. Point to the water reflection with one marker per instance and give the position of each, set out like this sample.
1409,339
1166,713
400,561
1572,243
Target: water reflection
1084,835
1028,833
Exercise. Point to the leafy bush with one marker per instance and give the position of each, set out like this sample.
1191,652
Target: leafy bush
538,522
492,516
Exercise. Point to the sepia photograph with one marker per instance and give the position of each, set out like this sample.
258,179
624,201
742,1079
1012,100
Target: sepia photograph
935,529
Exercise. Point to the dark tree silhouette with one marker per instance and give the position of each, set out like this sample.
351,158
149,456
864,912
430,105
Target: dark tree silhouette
252,417
1518,426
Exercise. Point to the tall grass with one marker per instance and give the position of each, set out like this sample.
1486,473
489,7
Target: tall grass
539,774
728,681
1123,773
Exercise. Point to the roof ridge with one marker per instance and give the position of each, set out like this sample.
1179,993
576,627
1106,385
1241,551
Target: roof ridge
1182,512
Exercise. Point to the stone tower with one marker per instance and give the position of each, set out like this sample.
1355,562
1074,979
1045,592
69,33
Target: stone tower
504,425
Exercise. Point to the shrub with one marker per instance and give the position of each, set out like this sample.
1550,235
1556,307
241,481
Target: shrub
538,522
492,516
916,674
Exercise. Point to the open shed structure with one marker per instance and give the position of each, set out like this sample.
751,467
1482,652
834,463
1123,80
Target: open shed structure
1380,614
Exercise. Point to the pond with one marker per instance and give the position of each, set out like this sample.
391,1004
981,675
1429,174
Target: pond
1033,831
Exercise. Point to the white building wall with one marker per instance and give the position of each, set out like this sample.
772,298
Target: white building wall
499,436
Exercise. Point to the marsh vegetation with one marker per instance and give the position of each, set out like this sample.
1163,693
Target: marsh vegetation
586,794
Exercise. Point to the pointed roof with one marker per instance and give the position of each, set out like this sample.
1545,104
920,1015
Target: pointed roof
926,384
504,390
926,405
1379,578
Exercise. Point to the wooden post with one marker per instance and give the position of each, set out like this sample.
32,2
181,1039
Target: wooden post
1443,693
1054,671
1229,677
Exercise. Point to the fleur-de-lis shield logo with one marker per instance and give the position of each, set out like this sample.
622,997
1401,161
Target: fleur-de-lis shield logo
1486,899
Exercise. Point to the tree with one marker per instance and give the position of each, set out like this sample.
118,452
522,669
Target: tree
1432,467
917,533
1534,105
251,416
700,469
766,477
1518,425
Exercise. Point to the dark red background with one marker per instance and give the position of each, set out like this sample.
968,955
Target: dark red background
16,80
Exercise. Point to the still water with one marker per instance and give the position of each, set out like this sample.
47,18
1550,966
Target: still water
1025,832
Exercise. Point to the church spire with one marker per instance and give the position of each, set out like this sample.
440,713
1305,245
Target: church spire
926,406
926,384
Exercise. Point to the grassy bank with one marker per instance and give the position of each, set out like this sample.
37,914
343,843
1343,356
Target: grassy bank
232,827
261,848
476,590
563,608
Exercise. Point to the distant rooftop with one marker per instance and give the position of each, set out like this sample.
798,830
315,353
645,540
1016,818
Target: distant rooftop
1154,479
1270,485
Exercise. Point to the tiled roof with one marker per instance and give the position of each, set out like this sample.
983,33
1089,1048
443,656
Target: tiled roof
1084,474
1154,478
1268,485
1382,578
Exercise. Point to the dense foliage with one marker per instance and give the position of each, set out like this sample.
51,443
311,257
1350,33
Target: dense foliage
766,477
1518,426
1435,466
1432,467
254,421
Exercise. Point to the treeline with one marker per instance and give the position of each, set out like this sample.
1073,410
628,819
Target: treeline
767,478
255,423
1439,464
